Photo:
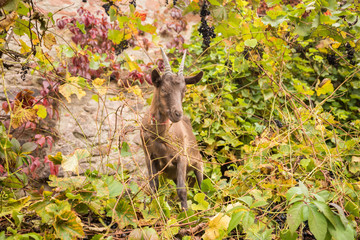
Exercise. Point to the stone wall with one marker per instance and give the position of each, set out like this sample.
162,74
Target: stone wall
98,126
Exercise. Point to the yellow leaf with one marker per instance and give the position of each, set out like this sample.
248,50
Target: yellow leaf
98,82
68,89
49,40
21,115
35,39
8,21
135,90
41,111
325,87
336,45
24,47
325,43
219,222
133,66
320,127
343,34
169,232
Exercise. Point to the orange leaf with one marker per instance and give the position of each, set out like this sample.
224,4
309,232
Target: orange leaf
327,13
142,16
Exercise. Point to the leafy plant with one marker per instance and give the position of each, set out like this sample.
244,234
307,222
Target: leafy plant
90,33
323,222
276,116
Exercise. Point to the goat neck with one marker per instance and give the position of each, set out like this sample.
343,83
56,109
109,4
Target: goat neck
157,119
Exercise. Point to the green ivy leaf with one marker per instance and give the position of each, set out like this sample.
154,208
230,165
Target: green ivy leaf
95,97
115,35
23,8
71,162
214,2
94,65
28,147
170,231
302,29
144,233
273,22
125,150
247,200
202,204
11,205
147,28
325,209
67,50
250,43
115,188
207,186
57,159
235,220
124,213
288,235
341,232
317,223
81,27
295,216
68,225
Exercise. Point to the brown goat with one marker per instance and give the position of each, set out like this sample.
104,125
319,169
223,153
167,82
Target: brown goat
168,141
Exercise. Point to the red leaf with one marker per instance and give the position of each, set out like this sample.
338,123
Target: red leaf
5,107
54,169
35,163
40,139
49,141
30,125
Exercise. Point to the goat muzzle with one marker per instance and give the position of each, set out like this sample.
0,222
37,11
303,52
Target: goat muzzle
175,116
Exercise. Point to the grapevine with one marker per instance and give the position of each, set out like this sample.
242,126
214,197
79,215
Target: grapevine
119,48
24,71
205,30
332,60
350,53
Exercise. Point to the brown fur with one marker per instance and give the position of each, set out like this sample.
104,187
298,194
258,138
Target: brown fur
168,141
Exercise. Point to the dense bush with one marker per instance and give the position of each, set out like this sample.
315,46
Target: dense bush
276,117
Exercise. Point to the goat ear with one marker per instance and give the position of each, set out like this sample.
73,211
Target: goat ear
155,78
194,79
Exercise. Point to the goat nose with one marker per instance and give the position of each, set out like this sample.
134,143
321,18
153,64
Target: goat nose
178,113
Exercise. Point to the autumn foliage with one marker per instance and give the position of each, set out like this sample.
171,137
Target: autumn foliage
276,116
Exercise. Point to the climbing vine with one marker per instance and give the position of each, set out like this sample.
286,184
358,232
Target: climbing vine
276,117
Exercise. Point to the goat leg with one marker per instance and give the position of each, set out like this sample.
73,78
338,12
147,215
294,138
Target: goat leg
180,182
199,176
153,172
